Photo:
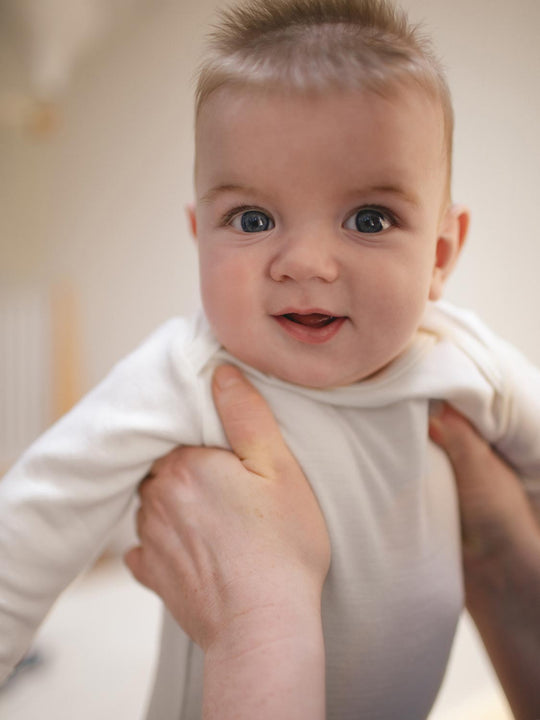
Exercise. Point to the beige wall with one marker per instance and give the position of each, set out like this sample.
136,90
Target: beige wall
101,201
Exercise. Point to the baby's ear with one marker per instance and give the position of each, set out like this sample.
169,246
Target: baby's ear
452,235
192,219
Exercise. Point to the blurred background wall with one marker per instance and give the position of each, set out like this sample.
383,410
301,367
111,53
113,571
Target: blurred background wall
94,178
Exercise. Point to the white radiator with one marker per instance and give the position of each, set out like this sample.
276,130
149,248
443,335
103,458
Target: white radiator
25,369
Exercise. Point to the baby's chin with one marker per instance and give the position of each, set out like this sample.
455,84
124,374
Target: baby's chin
315,376
326,381
311,368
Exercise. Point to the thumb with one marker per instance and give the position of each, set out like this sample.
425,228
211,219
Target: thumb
479,469
494,506
248,422
466,450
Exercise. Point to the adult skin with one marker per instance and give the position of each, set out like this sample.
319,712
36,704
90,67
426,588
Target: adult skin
235,545
501,559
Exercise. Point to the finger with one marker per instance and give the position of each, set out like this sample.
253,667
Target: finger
494,508
465,448
250,427
142,571
134,562
139,520
479,472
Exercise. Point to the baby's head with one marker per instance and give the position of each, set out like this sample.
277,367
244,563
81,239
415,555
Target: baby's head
323,215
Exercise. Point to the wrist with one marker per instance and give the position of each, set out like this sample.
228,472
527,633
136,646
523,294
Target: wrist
277,620
268,663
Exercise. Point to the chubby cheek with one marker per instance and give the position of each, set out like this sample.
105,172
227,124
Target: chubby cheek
226,291
400,292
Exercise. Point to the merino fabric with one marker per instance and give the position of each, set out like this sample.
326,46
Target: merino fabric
394,592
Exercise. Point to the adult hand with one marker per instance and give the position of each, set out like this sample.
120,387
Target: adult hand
501,559
236,546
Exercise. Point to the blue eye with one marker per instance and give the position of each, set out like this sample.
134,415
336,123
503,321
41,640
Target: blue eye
368,221
253,221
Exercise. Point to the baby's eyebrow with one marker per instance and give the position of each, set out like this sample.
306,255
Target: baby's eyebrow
225,188
383,189
389,189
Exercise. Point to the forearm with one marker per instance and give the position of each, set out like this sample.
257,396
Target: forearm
503,598
501,559
269,666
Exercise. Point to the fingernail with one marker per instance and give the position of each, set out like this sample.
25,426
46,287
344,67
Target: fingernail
226,376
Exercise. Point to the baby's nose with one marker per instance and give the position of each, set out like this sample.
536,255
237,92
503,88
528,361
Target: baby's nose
306,257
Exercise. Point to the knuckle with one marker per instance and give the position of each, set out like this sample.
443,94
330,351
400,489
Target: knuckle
164,465
155,509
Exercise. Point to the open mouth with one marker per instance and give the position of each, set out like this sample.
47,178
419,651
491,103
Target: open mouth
312,320
313,328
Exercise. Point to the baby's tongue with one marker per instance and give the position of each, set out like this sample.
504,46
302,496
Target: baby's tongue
311,320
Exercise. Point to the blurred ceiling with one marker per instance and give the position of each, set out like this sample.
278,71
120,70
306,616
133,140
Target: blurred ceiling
42,42
50,37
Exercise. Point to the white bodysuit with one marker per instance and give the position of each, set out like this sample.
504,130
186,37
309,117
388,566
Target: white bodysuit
394,591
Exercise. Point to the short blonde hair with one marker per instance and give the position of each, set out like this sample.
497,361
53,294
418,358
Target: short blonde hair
310,45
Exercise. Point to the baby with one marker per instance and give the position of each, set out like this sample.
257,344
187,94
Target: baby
325,233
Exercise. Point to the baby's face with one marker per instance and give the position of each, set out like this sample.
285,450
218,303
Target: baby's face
317,220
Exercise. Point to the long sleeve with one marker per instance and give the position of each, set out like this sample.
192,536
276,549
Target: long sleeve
521,444
59,503
507,410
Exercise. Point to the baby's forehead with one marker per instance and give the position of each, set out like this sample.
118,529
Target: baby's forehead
363,135
222,104
397,92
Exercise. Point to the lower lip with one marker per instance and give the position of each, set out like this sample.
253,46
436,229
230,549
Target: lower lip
310,335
